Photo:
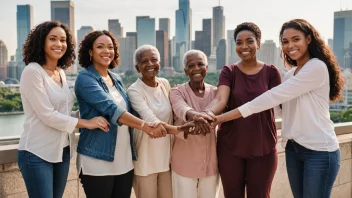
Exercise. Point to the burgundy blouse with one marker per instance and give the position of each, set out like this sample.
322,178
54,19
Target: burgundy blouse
255,135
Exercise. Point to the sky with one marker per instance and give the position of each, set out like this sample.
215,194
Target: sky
269,15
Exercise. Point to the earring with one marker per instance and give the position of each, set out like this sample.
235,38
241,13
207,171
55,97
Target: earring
90,58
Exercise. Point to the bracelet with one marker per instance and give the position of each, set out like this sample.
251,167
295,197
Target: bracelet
142,125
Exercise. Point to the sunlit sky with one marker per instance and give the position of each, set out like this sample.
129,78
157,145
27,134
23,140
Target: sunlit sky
269,15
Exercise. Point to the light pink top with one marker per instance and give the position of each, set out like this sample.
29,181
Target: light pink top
196,156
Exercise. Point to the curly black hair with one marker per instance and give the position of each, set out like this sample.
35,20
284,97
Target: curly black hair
250,27
33,49
317,49
87,44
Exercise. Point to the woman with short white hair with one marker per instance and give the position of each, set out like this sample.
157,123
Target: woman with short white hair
193,159
149,97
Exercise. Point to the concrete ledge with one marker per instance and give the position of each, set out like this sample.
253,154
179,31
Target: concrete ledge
8,154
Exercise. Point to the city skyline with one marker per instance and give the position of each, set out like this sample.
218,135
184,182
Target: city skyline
269,21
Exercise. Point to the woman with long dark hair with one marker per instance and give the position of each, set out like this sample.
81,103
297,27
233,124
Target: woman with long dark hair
312,149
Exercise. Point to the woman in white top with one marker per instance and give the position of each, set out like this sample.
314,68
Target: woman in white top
47,142
149,97
312,149
104,160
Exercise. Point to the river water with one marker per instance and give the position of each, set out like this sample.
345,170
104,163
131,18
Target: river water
11,125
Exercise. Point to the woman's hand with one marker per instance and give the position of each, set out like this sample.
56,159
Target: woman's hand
97,122
154,129
202,125
177,129
217,121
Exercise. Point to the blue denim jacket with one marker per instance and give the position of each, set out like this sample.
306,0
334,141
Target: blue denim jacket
94,100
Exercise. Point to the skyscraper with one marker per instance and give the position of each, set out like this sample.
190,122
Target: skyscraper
164,24
208,36
184,24
133,35
24,19
163,46
342,36
115,28
171,52
199,40
145,31
82,32
3,54
221,54
268,52
3,60
231,48
12,68
126,49
218,25
64,11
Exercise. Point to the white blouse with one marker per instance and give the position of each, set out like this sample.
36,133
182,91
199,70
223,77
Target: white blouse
305,106
47,108
153,105
123,155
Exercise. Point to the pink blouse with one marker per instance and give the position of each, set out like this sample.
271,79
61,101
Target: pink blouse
196,156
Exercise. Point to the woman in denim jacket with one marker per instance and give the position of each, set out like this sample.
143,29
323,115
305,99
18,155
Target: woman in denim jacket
104,160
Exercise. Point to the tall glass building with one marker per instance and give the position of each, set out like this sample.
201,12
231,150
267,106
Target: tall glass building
64,11
343,37
115,28
184,24
145,31
218,25
24,19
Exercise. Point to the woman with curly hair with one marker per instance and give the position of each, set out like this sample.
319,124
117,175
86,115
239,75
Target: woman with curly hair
104,160
312,149
47,142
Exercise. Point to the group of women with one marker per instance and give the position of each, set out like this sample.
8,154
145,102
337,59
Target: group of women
161,140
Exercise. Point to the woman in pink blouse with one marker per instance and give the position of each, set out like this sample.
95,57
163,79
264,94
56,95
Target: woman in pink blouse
193,160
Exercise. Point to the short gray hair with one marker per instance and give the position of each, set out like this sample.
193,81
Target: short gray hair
141,49
194,52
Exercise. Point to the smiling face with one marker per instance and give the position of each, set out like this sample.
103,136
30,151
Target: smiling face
148,64
246,45
295,44
195,68
55,44
102,52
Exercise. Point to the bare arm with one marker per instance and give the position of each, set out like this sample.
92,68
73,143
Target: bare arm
218,104
130,120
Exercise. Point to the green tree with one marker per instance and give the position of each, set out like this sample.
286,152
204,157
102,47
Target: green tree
7,105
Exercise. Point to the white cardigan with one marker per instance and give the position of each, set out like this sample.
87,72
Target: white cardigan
305,106
152,104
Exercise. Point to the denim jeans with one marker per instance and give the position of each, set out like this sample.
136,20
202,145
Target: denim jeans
311,173
44,179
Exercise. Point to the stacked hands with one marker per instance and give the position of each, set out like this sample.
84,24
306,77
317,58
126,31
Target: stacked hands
201,123
204,122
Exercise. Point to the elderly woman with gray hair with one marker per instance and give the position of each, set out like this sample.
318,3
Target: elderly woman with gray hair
194,161
149,97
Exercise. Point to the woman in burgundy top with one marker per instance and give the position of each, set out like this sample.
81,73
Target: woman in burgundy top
246,150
